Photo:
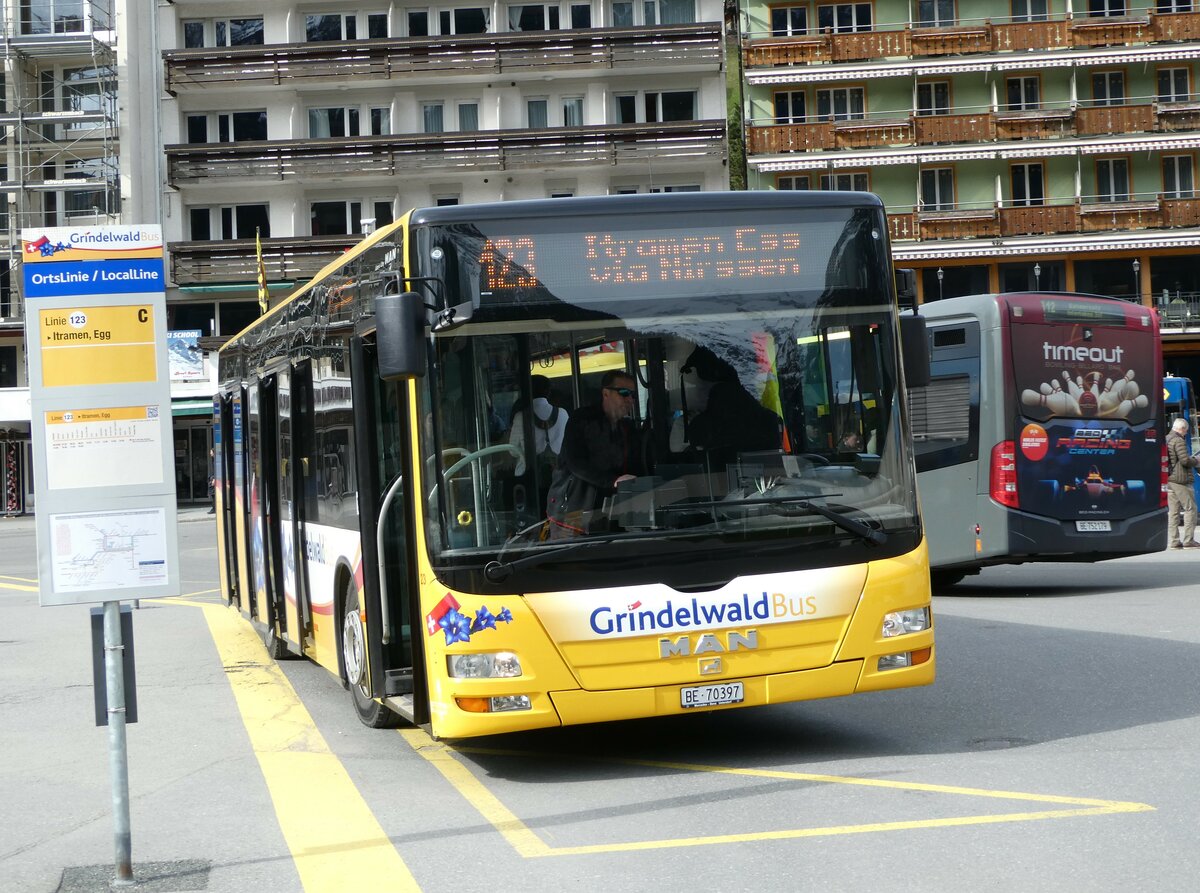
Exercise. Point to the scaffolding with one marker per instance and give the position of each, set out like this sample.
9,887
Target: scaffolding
62,160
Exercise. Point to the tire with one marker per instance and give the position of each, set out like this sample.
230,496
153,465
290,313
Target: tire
945,579
354,654
277,647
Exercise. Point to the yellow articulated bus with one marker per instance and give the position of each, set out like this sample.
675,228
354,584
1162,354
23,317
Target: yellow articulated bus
531,464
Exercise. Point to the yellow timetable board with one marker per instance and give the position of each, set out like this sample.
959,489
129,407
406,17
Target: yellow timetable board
97,346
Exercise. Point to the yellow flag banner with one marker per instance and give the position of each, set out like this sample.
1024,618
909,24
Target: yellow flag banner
263,297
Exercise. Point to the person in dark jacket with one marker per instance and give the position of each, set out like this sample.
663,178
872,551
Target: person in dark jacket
1181,498
601,448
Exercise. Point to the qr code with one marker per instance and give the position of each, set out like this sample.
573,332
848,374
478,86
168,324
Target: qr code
151,412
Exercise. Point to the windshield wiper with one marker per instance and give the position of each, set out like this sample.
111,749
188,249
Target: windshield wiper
496,571
858,528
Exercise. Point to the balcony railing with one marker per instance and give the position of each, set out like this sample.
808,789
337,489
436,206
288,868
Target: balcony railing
484,150
966,36
234,261
1061,216
1178,311
664,47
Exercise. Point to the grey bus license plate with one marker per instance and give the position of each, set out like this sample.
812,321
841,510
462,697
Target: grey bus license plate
1093,526
712,695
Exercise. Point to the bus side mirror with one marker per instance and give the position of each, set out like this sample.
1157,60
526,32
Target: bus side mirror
906,287
400,336
914,349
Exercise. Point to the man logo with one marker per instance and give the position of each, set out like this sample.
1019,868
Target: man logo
708,643
711,666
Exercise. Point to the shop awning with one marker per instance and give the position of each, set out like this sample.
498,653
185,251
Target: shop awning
202,406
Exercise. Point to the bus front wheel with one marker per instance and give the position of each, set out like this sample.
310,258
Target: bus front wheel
354,660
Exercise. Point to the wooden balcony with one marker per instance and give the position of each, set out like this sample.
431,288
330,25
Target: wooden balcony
1036,124
1176,117
975,128
860,45
872,134
902,226
771,139
1103,31
1175,26
1105,119
774,52
485,150
1118,216
1038,220
234,261
953,41
1181,212
1019,36
663,47
973,224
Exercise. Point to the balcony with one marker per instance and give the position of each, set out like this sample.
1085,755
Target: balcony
483,150
995,34
522,52
1178,311
234,261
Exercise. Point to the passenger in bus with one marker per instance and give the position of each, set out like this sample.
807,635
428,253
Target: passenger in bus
1181,498
549,424
601,447
732,420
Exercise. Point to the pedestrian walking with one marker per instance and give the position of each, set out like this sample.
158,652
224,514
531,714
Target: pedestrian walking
1181,498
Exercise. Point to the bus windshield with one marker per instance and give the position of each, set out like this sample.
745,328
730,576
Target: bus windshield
761,387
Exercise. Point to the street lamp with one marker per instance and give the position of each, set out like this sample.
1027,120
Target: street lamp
1037,277
941,274
1137,282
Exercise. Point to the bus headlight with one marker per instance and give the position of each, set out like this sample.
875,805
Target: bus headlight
501,665
901,623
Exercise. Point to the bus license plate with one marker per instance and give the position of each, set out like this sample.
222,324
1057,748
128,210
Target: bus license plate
712,695
1093,526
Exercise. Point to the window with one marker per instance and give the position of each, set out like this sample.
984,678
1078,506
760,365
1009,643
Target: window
572,107
229,222
468,20
792,182
1023,93
81,90
446,199
1112,179
655,107
533,18
935,13
97,198
535,112
223,32
432,117
233,316
1030,10
381,121
851,181
627,14
382,209
687,187
52,16
1168,6
336,218
1178,180
1173,85
789,107
581,15
1108,87
377,25
418,23
468,116
330,26
844,17
1028,187
933,98
332,122
937,189
226,127
841,104
787,21
1107,8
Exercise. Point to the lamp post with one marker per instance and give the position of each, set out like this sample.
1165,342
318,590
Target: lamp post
941,274
1137,281
1037,277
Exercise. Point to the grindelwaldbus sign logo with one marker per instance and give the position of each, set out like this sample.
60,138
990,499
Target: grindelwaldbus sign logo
655,609
64,261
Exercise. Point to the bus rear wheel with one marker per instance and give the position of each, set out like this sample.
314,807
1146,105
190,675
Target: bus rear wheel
354,660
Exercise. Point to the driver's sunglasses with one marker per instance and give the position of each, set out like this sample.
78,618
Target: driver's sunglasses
621,392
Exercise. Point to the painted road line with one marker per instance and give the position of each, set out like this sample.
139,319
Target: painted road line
18,579
18,587
335,840
529,845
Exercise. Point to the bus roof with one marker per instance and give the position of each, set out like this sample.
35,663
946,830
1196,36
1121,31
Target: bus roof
982,303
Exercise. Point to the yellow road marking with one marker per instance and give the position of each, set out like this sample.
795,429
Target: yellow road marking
335,840
19,579
529,845
17,586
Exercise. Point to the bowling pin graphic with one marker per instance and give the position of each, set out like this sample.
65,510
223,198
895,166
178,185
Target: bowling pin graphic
1072,388
1109,398
1059,403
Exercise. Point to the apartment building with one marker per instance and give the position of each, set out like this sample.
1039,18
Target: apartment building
1018,144
310,123
60,168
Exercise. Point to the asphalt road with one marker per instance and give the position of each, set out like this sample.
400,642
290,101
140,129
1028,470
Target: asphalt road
1057,751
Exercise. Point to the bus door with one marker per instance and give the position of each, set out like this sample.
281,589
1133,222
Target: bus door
271,452
223,492
290,465
242,523
386,495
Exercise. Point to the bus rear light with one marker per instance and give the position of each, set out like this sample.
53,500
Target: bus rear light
1164,473
502,704
1004,474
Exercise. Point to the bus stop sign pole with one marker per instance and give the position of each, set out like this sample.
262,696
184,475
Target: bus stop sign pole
118,755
